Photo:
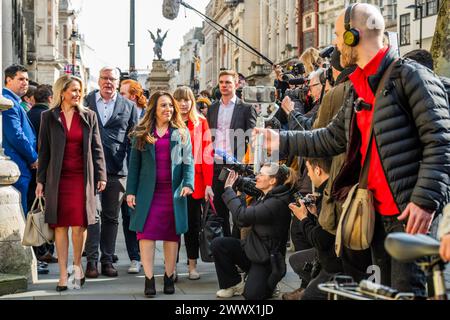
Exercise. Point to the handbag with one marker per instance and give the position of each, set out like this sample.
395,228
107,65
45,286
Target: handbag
357,222
37,232
211,228
255,249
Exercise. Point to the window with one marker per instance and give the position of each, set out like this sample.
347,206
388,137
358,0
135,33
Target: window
405,34
308,5
236,64
429,8
309,39
432,7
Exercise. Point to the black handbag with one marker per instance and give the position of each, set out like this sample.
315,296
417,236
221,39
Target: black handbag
255,249
211,228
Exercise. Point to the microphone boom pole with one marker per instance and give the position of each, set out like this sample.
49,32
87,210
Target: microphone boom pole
227,31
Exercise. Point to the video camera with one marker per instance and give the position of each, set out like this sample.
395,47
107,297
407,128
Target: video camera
294,72
294,77
246,181
245,185
327,76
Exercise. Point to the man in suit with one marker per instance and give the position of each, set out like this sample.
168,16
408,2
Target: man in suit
231,122
117,117
19,138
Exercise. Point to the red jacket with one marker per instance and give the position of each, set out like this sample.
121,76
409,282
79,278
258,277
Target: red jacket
202,149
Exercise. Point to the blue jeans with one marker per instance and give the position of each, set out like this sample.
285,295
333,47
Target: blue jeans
130,236
22,186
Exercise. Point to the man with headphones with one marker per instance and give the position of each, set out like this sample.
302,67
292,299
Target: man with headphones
409,145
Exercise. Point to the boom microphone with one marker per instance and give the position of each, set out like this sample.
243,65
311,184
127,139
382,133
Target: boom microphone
298,81
171,9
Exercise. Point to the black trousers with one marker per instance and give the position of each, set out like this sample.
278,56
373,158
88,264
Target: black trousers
356,263
191,237
298,238
405,277
109,203
312,292
228,253
298,263
131,241
222,210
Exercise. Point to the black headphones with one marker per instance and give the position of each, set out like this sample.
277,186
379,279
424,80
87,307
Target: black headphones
351,35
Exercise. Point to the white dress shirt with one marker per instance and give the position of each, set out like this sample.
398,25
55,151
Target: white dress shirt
223,126
105,109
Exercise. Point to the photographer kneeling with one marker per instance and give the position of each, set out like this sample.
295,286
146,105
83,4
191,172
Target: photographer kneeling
262,254
323,241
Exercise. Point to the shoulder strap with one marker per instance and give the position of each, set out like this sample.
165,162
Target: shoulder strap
380,90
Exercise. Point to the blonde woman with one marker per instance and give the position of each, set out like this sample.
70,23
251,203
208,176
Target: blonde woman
161,177
204,172
71,170
311,59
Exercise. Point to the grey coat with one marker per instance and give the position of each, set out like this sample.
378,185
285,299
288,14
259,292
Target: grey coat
52,141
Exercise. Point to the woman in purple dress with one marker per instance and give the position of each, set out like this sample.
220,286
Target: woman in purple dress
161,176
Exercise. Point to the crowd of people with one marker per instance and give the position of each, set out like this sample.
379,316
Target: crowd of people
157,161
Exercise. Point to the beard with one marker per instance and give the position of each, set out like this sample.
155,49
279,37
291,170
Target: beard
349,56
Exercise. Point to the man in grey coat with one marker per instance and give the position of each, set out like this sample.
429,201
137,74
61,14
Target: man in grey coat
117,118
410,154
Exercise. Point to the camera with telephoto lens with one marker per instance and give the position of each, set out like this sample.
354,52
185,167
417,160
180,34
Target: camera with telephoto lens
243,184
309,200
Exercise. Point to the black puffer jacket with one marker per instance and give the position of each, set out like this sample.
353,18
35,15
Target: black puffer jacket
269,216
413,144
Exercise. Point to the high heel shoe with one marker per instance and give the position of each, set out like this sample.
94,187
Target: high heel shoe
150,290
61,288
169,284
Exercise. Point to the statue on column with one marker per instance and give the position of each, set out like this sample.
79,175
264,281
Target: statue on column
159,41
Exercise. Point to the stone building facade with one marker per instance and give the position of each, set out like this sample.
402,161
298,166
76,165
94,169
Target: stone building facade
329,10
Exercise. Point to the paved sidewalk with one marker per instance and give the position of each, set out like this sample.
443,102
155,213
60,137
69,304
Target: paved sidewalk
131,287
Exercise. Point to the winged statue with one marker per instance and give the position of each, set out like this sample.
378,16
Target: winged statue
159,41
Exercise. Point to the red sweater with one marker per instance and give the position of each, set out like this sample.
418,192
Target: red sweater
377,182
203,153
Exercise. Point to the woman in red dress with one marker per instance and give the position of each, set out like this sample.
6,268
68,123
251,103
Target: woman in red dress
70,160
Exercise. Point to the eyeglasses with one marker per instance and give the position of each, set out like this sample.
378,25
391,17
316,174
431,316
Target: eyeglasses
108,78
313,85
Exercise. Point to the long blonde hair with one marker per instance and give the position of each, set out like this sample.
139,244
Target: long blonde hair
185,93
311,59
144,131
61,85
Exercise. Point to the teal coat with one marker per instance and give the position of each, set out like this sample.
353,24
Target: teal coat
142,180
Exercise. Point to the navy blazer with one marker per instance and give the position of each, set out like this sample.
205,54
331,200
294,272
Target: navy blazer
114,134
19,138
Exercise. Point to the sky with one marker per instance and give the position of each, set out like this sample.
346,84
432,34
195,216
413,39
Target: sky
105,25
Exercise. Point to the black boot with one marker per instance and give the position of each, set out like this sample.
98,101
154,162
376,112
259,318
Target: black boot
169,285
150,289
